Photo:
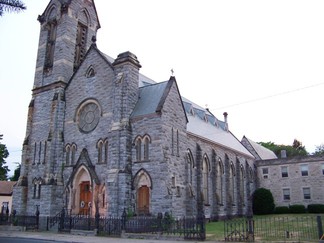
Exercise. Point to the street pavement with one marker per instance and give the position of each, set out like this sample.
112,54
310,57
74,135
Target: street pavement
60,237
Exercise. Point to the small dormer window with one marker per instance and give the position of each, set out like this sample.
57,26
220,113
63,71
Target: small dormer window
192,112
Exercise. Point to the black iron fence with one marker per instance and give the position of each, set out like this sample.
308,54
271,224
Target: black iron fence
187,228
273,228
29,221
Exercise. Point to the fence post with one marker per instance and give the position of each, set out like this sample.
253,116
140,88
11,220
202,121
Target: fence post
14,212
250,236
319,226
124,215
62,216
201,225
159,218
37,216
97,217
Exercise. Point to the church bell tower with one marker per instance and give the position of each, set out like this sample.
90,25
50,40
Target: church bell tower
67,29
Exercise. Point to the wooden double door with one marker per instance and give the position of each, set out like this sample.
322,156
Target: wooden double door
143,200
85,198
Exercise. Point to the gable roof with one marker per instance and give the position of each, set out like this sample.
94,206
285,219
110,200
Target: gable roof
200,122
260,152
211,129
149,99
152,98
6,187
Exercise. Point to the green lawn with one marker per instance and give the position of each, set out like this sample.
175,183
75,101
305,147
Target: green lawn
215,230
300,227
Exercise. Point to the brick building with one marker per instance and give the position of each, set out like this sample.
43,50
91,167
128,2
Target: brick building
101,137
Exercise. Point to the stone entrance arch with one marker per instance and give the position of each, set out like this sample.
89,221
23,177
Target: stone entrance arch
83,187
143,187
82,192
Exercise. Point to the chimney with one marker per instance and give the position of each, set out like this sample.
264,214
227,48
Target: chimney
283,154
225,120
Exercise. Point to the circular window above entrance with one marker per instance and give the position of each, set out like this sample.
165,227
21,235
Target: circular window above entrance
88,117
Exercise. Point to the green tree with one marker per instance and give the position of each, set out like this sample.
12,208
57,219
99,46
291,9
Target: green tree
263,202
296,149
16,174
319,150
11,6
3,155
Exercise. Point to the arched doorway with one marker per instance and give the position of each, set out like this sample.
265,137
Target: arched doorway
85,198
143,200
82,192
143,187
83,188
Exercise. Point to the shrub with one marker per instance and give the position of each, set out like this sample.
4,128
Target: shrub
281,210
297,208
263,202
315,208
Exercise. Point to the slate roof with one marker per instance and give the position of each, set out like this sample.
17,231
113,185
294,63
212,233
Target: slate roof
6,187
149,99
204,124
200,121
262,152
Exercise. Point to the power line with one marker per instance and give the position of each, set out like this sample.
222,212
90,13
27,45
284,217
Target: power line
269,96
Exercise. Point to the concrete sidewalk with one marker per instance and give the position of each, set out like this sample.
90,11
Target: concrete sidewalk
60,237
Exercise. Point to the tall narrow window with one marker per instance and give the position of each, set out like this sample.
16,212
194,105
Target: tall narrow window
146,148
172,142
190,166
35,153
106,151
242,185
178,149
231,183
219,182
37,188
73,151
40,152
100,144
80,48
138,149
205,169
45,151
49,54
67,154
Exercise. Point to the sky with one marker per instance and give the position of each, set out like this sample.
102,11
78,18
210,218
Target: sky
259,61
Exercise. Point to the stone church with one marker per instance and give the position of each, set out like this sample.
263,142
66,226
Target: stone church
103,138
